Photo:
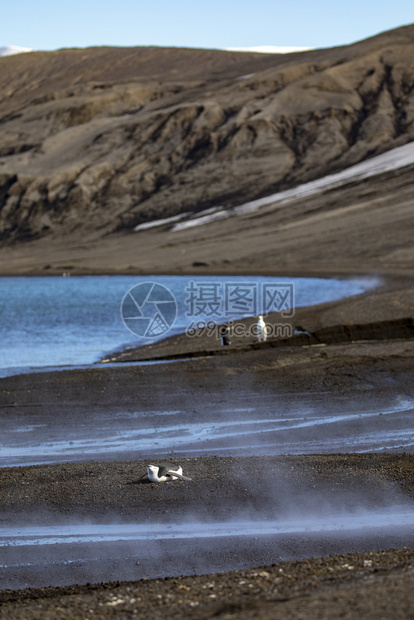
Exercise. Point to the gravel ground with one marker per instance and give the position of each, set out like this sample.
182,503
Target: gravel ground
370,586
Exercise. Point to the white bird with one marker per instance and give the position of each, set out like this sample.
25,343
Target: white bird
261,329
164,472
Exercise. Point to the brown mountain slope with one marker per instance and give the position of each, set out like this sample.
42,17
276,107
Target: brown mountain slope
106,138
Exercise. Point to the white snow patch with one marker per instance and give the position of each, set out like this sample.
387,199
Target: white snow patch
206,217
13,49
161,222
399,157
269,49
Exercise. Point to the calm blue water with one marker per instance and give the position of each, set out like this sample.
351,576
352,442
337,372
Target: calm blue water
58,321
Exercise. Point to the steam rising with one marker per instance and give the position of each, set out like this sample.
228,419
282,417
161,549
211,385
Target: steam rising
292,517
284,513
397,516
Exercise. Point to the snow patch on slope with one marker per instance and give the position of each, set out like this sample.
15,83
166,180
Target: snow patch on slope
399,157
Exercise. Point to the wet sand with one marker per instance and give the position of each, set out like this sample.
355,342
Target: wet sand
353,585
317,487
353,379
71,523
349,572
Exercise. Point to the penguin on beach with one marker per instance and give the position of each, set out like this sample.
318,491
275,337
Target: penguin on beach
164,472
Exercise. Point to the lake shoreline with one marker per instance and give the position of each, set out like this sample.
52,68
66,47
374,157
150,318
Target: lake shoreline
381,313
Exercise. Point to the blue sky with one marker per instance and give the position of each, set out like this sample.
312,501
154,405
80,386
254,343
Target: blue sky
52,24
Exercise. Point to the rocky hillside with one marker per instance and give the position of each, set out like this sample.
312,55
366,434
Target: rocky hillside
106,138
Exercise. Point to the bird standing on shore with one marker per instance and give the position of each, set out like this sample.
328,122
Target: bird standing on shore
261,329
164,472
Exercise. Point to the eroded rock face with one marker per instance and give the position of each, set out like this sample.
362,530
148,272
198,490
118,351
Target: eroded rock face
108,138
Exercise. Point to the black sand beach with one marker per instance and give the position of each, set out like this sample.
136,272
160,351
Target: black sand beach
374,575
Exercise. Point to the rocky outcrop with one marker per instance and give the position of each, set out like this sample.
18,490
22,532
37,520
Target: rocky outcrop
105,138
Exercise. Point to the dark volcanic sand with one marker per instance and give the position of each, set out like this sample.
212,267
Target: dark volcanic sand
369,583
370,586
314,490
